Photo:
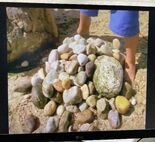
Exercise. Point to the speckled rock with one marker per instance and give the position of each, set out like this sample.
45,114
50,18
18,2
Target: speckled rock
72,95
108,77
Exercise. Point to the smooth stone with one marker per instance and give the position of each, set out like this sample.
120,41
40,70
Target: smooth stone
58,86
68,40
71,67
23,84
85,91
77,37
82,59
91,100
54,65
66,84
85,127
133,101
50,108
108,76
63,76
81,78
98,42
25,64
38,99
60,110
72,95
50,77
91,87
89,68
31,123
47,90
101,105
83,106
114,119
65,121
112,103
104,50
65,56
92,57
79,48
116,43
85,116
53,56
52,124
72,108
63,48
73,57
35,80
41,73
122,104
91,49
127,90
47,67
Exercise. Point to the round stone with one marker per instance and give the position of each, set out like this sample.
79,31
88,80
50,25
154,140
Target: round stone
91,101
50,108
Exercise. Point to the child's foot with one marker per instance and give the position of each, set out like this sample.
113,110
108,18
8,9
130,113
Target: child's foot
130,73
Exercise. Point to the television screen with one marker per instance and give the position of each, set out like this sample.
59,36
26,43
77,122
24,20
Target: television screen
77,70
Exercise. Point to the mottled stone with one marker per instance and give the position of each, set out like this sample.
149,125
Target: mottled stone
108,76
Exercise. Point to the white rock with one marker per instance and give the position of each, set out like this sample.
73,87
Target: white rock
77,37
83,106
79,48
63,48
133,101
82,59
60,110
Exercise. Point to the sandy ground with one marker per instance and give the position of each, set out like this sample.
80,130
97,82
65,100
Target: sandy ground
20,105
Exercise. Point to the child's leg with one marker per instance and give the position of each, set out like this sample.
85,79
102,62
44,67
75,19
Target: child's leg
85,20
125,24
131,44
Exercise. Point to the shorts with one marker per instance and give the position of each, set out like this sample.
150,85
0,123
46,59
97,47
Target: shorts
124,23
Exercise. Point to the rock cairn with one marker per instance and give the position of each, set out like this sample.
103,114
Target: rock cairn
82,81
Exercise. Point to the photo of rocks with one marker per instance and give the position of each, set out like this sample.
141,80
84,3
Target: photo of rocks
59,81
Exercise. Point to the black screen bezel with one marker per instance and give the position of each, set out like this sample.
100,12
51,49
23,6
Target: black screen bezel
150,114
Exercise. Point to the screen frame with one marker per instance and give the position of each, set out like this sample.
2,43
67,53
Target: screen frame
118,134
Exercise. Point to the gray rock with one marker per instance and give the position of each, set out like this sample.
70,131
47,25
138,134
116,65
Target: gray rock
114,119
72,108
25,63
71,67
52,124
72,95
82,59
79,48
63,48
108,76
31,123
81,78
65,121
83,106
53,56
89,68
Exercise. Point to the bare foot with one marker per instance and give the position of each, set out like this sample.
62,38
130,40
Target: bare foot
130,73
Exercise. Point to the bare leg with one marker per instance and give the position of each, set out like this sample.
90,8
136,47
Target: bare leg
131,44
84,24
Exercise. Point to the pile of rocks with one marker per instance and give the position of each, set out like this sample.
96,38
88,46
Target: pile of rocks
82,81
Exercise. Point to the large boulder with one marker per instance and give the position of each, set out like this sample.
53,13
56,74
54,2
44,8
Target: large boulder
108,76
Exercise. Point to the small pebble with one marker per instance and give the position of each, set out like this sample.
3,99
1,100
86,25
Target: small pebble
25,64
